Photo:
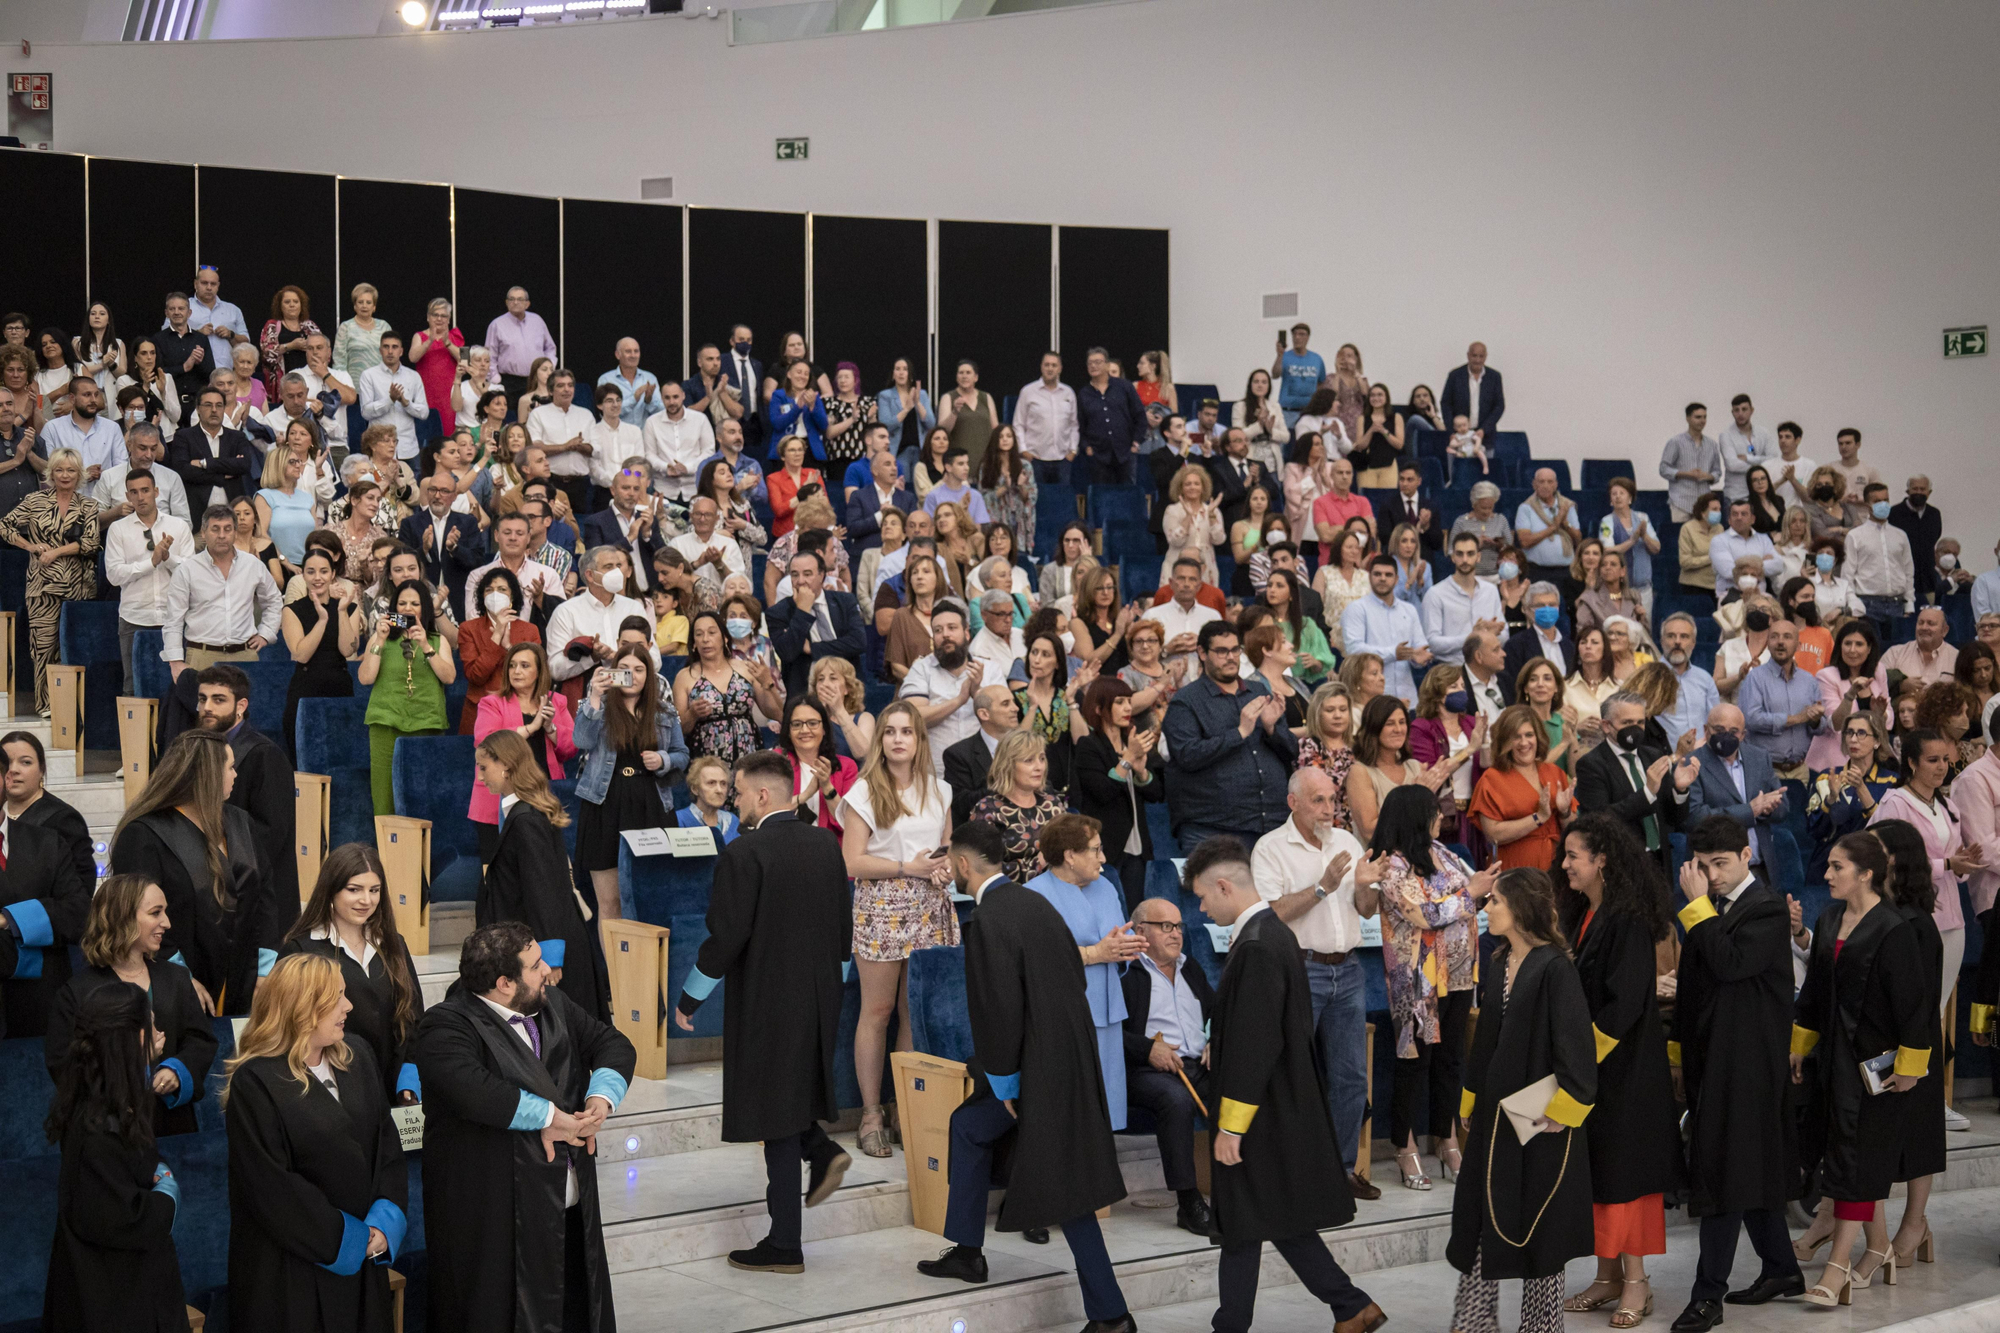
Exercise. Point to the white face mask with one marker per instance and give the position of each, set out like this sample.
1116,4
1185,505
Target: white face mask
498,601
613,581
1069,642
1947,562
1747,583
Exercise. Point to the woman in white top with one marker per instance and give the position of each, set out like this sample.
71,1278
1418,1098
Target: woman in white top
1263,422
1320,418
53,371
1308,475
163,397
476,380
1065,568
1342,580
1590,683
1794,542
1193,521
97,350
895,824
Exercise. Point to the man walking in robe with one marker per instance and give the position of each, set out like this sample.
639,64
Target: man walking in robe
779,932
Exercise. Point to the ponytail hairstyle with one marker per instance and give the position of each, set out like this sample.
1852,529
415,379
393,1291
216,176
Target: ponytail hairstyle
508,749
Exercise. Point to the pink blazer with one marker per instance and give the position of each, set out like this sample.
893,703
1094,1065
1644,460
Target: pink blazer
497,711
845,770
1899,804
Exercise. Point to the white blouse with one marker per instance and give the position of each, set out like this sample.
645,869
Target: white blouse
912,837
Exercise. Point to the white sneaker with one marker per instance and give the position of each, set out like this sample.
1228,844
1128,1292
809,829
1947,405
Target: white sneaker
1954,1121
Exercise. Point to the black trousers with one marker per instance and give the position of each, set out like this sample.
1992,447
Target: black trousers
1163,1094
782,1195
515,385
1768,1237
578,491
1237,1278
576,1273
1437,1070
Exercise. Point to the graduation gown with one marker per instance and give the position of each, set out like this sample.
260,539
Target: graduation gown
49,902
373,1019
1732,1035
1034,1043
1291,1180
1635,1142
66,822
1873,1000
267,790
529,880
217,944
1922,1135
779,923
113,1265
308,1175
189,1034
493,1203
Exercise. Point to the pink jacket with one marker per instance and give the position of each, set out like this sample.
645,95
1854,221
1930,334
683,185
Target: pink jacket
499,710
1976,793
1899,804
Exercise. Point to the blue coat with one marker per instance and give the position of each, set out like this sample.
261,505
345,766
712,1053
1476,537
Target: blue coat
888,408
593,778
1714,793
784,417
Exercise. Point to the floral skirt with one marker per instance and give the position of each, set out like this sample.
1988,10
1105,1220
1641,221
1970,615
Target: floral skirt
893,918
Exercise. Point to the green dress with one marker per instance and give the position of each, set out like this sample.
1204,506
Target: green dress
407,700
1315,646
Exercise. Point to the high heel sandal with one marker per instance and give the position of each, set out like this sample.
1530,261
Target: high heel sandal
1804,1252
1886,1270
874,1142
1924,1253
1583,1302
1821,1294
1412,1180
1627,1317
1448,1172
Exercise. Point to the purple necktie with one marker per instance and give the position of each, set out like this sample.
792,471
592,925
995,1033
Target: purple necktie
534,1032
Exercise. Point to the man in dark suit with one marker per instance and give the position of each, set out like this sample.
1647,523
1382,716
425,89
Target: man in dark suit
815,622
629,523
1486,679
1167,1001
966,762
884,490
1236,475
264,787
1413,506
448,545
213,460
746,375
1473,392
779,927
1731,1038
1641,785
43,906
1546,637
1737,780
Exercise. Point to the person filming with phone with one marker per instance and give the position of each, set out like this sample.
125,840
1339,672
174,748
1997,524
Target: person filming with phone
406,665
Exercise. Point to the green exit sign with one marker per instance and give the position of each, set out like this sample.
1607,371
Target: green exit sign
1965,342
792,150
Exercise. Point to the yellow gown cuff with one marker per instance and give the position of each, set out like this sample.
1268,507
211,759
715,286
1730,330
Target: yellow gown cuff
1982,1018
1605,1045
1234,1117
1466,1100
1696,912
1803,1040
1674,1054
1566,1110
1912,1063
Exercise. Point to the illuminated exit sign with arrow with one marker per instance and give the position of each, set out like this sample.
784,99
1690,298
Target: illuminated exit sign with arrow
1964,342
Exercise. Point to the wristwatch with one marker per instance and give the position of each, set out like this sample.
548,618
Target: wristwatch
1319,893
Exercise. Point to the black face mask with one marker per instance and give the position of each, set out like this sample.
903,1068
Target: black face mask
1628,738
1723,743
1822,493
1806,613
1756,621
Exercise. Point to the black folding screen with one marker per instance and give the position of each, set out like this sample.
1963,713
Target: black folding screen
746,268
142,244
45,276
265,230
1114,295
621,278
509,240
993,301
871,295
397,238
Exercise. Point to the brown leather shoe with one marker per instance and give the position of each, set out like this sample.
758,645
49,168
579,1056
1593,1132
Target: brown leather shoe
1367,1321
1359,1187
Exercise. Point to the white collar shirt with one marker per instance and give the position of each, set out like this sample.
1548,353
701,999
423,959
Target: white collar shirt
403,413
1173,1013
693,547
110,489
1549,643
102,443
1284,863
531,575
206,606
128,561
583,616
1175,621
549,424
682,444
1046,421
1879,563
610,446
928,680
366,956
1450,613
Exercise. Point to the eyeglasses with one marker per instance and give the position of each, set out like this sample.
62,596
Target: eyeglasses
807,724
1170,927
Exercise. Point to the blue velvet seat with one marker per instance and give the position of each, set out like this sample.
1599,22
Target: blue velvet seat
1113,502
432,777
332,735
14,596
938,1022
1598,472
672,891
87,636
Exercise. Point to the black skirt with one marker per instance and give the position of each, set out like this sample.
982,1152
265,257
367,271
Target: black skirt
632,801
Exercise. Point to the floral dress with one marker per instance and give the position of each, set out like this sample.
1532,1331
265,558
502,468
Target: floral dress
1336,763
1052,725
727,733
1012,504
1018,830
1430,943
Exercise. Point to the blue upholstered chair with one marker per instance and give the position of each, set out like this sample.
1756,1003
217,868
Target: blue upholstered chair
331,736
432,777
672,891
1113,502
1598,472
87,636
938,1022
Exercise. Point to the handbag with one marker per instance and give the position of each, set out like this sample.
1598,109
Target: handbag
1526,1105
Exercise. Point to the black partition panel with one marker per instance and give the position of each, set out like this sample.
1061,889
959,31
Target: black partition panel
993,301
44,279
511,240
622,279
1114,294
266,230
871,295
142,244
397,238
746,268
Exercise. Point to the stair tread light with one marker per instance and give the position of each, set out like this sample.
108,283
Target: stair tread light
414,13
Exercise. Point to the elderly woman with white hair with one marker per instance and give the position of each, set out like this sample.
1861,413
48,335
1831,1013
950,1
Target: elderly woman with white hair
1493,531
999,637
58,529
996,573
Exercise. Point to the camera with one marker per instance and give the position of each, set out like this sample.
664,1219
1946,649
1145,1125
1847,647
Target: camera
625,678
398,621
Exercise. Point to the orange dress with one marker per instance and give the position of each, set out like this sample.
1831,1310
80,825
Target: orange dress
1636,1226
1512,795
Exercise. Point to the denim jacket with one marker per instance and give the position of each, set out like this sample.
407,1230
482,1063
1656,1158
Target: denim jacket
888,407
593,779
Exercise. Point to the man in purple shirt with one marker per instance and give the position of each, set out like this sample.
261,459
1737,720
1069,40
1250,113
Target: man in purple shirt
1111,422
516,339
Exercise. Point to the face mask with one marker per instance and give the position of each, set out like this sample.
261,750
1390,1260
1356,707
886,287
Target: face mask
738,627
743,348
1880,509
1508,571
1068,642
1757,621
614,581
1748,583
1723,743
1547,616
1823,494
1806,613
1712,516
497,601
1919,501
1947,562
1823,562
1628,738
1458,701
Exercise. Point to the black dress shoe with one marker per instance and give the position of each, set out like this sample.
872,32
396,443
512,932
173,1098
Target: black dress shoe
961,1262
1194,1217
1122,1324
826,1177
1768,1289
1035,1235
765,1257
1699,1317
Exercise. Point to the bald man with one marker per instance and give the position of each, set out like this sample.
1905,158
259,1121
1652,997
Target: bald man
1737,780
640,388
1473,390
966,761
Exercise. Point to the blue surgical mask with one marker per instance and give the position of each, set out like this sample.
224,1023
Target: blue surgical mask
738,627
1458,701
1823,562
1712,516
1508,571
743,348
1547,616
1880,509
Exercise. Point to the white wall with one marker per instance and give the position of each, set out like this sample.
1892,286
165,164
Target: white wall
1632,203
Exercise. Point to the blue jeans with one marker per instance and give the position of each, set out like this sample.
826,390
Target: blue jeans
1340,1039
1885,613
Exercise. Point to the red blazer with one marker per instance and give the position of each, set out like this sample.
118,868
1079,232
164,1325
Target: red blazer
485,662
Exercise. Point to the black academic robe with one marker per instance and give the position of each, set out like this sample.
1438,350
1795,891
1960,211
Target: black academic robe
372,992
1292,1179
177,1013
216,941
66,822
1635,1138
1024,995
308,1175
1874,1000
529,880
266,790
1733,1024
1922,1135
779,923
113,1265
494,1220
49,904
1539,1191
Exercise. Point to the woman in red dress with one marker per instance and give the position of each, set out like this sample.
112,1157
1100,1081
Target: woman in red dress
1523,801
